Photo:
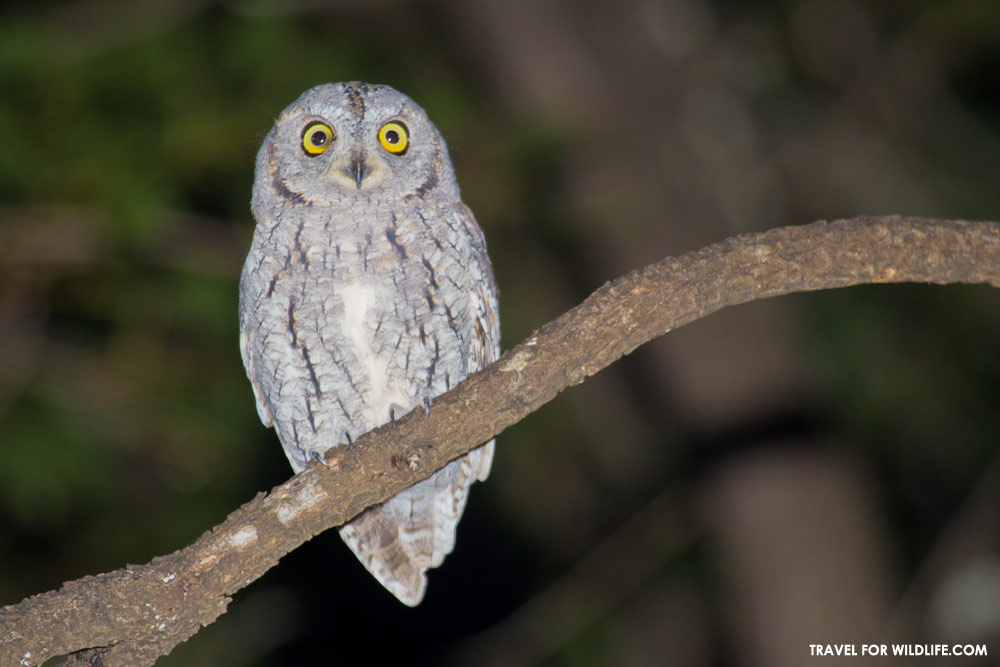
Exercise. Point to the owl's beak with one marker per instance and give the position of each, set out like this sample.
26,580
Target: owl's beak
356,169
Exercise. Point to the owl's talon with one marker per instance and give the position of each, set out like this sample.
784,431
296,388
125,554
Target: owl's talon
427,405
319,458
350,441
393,409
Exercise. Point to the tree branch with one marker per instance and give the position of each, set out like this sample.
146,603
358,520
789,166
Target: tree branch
140,612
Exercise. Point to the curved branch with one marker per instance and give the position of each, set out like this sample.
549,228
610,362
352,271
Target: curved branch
140,612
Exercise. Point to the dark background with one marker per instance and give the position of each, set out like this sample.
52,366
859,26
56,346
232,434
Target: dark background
813,469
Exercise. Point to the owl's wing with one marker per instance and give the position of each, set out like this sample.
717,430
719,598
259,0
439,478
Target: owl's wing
246,352
484,347
414,530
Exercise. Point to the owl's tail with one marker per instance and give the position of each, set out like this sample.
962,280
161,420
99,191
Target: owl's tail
399,540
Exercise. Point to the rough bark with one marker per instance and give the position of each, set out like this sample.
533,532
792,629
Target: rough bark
135,614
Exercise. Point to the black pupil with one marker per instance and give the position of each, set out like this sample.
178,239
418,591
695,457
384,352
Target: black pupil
392,136
318,138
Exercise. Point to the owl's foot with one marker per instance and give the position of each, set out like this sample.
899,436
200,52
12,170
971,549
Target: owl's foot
427,405
319,458
393,409
350,441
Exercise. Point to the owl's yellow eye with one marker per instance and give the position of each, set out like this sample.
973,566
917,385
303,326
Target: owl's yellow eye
394,137
316,138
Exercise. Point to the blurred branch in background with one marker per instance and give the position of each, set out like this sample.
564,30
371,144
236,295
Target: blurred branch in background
798,526
134,615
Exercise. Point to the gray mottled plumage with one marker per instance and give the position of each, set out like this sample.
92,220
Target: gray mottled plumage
367,291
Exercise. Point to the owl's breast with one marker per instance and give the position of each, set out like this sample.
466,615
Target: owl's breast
349,325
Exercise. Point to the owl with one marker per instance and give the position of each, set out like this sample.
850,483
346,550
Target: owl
367,292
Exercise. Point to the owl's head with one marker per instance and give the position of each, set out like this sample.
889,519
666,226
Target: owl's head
344,141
